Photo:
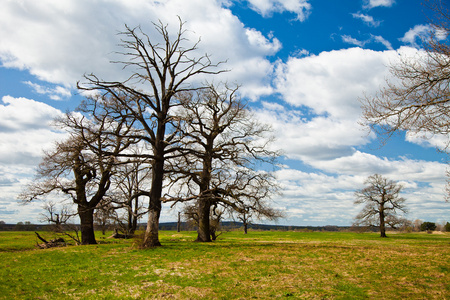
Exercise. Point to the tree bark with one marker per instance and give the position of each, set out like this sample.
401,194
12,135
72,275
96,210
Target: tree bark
87,225
151,238
204,208
382,224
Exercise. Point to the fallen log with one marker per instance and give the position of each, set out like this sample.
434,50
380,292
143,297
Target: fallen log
117,235
59,242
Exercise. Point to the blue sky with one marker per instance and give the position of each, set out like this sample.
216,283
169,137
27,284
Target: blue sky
303,64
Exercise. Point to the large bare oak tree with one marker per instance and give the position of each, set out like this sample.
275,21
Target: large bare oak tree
225,149
82,165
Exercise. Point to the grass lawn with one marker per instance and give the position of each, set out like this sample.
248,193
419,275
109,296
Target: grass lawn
259,265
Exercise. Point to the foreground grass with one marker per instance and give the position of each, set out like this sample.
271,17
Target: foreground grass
259,265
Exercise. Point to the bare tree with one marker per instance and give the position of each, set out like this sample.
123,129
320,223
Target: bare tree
247,215
191,215
105,215
81,166
382,203
417,99
56,217
224,146
129,181
159,72
60,220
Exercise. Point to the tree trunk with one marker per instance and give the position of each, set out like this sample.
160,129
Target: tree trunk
245,227
204,208
151,237
135,216
87,225
382,224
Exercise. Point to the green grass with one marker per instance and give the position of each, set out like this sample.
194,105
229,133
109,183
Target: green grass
260,265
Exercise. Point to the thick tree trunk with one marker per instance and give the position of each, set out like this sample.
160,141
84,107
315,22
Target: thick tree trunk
382,224
151,238
245,227
87,225
204,208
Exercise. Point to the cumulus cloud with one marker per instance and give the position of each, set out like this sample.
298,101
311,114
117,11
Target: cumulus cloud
414,34
352,41
369,4
369,20
315,198
381,40
331,82
25,114
72,38
301,8
25,130
372,39
56,93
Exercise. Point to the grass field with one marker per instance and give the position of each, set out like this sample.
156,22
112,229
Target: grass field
260,265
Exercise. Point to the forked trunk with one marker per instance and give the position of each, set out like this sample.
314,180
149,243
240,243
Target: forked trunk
204,208
87,225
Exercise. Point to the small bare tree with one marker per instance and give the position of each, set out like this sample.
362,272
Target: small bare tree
382,203
129,181
60,220
247,215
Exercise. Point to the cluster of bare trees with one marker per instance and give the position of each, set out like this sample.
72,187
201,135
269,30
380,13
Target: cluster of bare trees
158,135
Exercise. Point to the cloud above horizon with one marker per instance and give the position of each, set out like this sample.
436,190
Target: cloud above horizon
266,8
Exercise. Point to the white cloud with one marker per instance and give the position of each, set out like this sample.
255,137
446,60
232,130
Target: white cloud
413,34
56,93
331,83
74,37
366,164
437,141
301,8
369,20
312,139
381,40
25,114
259,41
373,39
316,198
24,131
377,3
352,41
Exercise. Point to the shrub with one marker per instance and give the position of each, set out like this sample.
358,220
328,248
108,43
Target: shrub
428,226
